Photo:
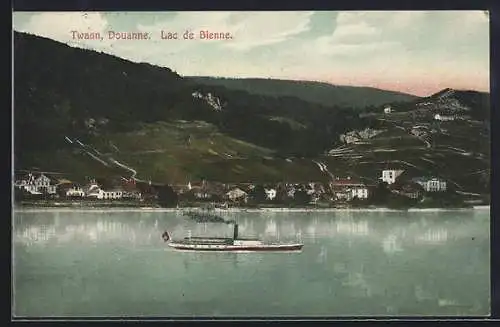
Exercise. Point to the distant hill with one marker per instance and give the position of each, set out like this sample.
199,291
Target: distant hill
87,113
475,103
451,101
317,92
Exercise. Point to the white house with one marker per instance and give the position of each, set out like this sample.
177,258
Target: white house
390,175
348,189
106,195
75,191
270,193
92,190
36,185
113,194
360,192
443,117
236,194
200,193
95,191
431,184
131,195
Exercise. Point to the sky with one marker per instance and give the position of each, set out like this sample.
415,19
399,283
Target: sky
417,52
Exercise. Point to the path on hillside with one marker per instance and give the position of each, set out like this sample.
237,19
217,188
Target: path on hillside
427,143
107,160
324,169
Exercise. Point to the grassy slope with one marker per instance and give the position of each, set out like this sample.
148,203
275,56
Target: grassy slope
459,153
159,152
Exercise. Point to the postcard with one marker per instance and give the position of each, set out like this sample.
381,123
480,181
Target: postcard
251,164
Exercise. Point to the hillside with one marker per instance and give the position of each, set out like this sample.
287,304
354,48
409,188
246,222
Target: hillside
62,92
410,138
86,113
449,101
316,92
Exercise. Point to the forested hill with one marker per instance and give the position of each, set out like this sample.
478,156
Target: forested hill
317,92
66,91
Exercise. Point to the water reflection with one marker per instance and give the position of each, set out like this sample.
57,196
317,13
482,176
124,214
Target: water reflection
433,236
61,231
391,244
323,255
352,263
352,227
237,259
271,227
44,227
358,285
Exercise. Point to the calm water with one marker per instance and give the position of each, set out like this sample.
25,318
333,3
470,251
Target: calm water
359,263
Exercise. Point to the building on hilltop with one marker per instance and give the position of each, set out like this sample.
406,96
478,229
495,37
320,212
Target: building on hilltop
449,117
348,189
442,117
390,175
431,184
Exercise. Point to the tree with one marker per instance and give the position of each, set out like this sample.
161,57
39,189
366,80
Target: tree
258,194
400,202
301,197
381,193
167,196
281,195
61,191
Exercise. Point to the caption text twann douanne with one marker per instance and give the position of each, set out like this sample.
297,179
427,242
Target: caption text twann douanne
160,35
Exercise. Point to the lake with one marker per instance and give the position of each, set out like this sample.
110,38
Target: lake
115,263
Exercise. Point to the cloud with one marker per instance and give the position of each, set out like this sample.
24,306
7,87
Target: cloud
355,29
331,46
264,28
360,48
59,26
249,29
404,37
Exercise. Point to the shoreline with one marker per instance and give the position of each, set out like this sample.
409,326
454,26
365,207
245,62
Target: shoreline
239,210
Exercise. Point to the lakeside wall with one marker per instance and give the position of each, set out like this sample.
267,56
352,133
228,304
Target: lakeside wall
236,210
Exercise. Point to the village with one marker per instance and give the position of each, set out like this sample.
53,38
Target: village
338,192
392,186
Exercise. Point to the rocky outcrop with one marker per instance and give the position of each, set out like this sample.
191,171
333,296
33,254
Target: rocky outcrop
210,99
356,136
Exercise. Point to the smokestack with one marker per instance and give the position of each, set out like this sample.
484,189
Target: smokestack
235,235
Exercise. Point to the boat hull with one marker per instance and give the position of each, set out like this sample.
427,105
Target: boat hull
237,248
